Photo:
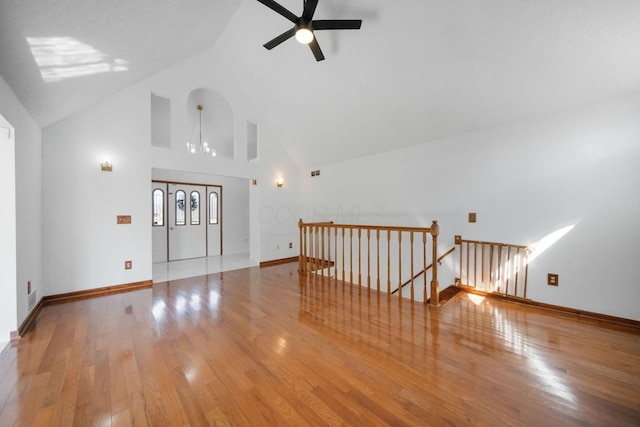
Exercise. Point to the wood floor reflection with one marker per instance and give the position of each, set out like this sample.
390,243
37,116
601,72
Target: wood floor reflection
261,347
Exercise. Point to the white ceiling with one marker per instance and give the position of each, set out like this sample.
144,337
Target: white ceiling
418,70
114,43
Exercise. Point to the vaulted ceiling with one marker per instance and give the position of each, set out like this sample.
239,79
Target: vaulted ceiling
418,70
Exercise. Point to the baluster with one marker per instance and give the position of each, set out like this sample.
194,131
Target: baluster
329,251
516,266
368,258
388,262
482,266
378,257
315,248
306,248
359,257
318,253
343,255
323,261
526,272
351,255
424,266
335,249
309,244
500,268
400,264
508,269
468,272
475,265
411,272
491,284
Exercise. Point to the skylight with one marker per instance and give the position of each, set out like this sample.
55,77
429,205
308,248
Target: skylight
61,58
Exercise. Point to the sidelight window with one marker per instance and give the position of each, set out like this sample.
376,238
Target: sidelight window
158,207
213,208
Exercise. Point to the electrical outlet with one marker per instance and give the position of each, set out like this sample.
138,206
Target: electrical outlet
552,279
128,265
290,245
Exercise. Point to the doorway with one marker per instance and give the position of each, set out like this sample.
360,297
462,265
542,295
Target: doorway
186,220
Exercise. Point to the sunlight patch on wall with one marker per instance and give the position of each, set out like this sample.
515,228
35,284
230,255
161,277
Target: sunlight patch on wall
547,241
61,58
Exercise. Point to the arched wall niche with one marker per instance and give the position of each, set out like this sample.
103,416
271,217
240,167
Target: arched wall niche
217,123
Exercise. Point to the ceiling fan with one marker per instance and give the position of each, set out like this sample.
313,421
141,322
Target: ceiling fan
305,26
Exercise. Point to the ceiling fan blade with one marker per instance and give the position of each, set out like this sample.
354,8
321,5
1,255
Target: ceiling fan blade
280,9
309,9
337,24
315,48
281,38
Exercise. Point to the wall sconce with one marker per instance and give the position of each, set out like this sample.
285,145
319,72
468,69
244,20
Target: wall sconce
280,182
106,166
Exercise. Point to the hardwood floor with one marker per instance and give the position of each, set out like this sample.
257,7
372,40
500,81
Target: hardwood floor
260,347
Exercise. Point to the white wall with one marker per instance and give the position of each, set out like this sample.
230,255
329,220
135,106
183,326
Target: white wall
8,318
83,246
21,178
524,180
276,216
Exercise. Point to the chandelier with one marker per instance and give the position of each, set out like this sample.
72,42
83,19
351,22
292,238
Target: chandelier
202,146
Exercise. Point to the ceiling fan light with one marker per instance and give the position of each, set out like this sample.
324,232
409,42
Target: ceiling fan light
304,35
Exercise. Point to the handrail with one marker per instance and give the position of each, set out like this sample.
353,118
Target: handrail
459,239
443,256
369,227
329,249
500,265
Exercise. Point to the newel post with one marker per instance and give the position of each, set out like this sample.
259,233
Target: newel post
435,291
301,263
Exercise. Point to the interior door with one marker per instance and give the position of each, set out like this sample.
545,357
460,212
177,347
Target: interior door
187,222
159,221
214,220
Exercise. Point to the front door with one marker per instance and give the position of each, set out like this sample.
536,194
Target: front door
187,222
